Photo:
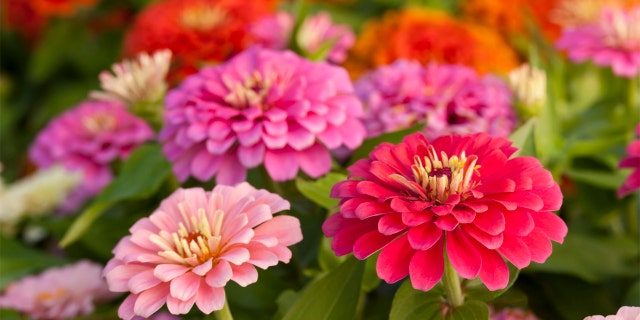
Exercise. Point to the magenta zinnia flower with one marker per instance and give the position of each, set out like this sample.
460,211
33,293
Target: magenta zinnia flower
262,106
632,161
459,198
194,243
88,138
613,40
58,293
447,98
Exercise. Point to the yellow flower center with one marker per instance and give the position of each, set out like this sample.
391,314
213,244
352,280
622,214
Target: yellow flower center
202,18
251,92
99,122
47,296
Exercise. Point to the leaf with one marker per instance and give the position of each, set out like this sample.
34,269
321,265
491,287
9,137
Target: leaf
17,261
523,139
470,310
409,303
476,290
319,190
391,137
141,176
333,296
603,179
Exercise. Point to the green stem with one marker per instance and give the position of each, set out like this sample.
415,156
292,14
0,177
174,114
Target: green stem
452,285
224,313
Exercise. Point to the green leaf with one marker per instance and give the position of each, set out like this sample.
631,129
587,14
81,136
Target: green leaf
391,137
17,261
409,303
633,296
333,296
319,190
523,139
607,180
141,176
476,290
470,310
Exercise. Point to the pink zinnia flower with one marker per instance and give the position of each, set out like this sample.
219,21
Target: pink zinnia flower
624,313
262,106
511,314
88,138
613,40
459,198
194,243
58,293
316,32
448,98
632,160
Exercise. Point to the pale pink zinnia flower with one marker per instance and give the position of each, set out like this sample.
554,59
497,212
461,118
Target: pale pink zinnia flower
58,293
187,250
447,98
316,33
613,40
624,313
261,106
511,314
632,161
460,198
87,138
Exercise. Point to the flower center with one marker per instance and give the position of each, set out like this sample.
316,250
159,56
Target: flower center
196,240
251,92
442,175
48,296
99,122
622,31
202,18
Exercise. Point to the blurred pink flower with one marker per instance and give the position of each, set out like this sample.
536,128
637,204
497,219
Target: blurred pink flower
624,313
187,250
58,293
613,40
159,316
315,33
632,161
510,314
88,138
447,98
260,107
459,198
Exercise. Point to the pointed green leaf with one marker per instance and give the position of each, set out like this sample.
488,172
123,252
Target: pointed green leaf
319,190
409,303
476,290
333,296
470,310
17,261
522,138
603,179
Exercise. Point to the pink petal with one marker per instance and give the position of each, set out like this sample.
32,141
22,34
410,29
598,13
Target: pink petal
185,286
210,299
494,272
281,164
231,171
552,225
518,222
245,274
150,301
177,306
118,277
393,261
427,267
369,243
143,281
516,251
285,228
491,221
236,255
464,258
125,311
424,237
219,274
315,160
391,224
539,246
203,268
251,156
487,240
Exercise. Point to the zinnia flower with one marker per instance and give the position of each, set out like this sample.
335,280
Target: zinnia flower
88,138
315,33
632,161
511,314
194,243
262,106
58,293
460,198
624,313
613,40
196,31
429,36
448,98
529,84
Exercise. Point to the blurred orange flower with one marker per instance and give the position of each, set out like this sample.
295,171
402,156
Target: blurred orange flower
196,31
59,8
427,35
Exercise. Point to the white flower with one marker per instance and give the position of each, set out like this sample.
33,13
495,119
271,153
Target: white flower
529,85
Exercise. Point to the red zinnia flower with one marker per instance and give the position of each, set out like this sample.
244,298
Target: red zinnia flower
459,197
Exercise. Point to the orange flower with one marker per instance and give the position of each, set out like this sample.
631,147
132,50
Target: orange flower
59,8
196,31
426,35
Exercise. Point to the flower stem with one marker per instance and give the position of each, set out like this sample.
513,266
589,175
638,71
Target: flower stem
224,313
632,103
452,285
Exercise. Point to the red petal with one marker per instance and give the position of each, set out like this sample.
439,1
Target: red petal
518,222
369,243
485,239
423,237
552,225
391,224
539,246
371,209
492,221
375,190
516,251
393,261
464,258
494,272
446,223
427,267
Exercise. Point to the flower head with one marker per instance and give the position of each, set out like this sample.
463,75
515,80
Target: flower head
58,293
88,138
613,40
624,313
632,161
460,198
196,31
529,85
448,98
262,106
194,243
428,36
510,314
